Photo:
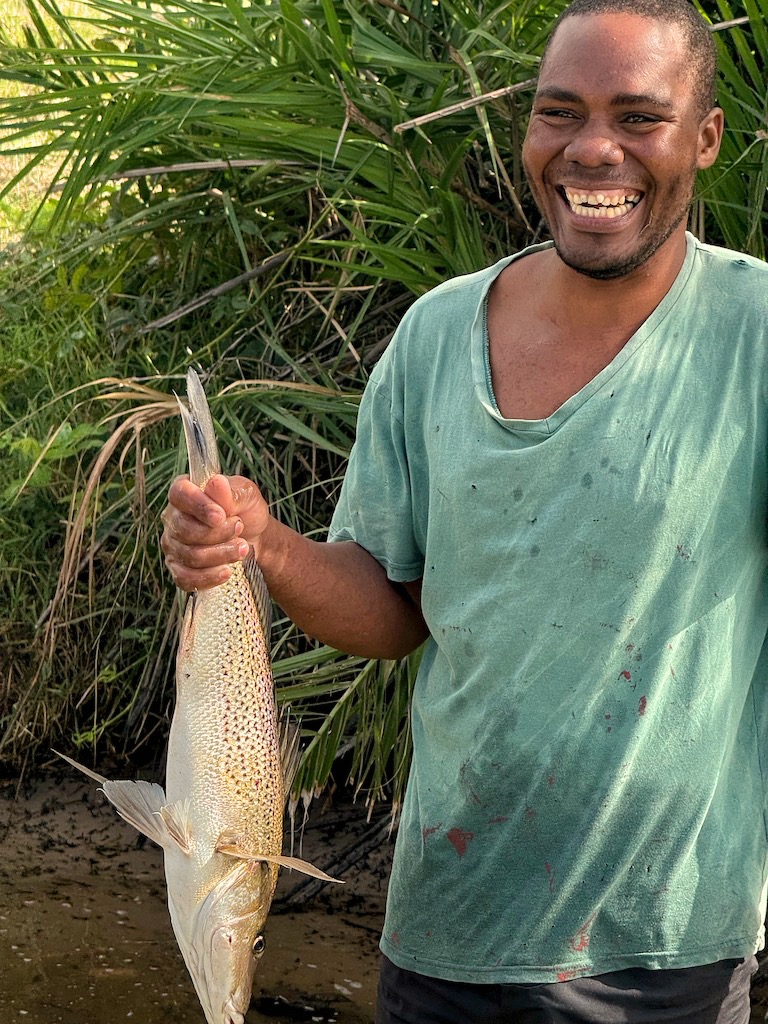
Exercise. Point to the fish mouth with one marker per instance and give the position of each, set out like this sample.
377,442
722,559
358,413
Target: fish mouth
600,203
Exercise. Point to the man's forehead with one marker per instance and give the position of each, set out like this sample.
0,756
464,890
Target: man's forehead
627,56
619,31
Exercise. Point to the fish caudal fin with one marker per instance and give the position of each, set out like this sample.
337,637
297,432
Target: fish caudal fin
142,804
202,450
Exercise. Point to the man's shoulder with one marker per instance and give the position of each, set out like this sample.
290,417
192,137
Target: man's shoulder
717,259
729,288
464,289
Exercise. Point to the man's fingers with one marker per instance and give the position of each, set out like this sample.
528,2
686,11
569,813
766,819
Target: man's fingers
190,580
189,500
202,531
189,530
203,556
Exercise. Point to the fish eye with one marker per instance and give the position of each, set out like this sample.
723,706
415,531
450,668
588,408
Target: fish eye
259,945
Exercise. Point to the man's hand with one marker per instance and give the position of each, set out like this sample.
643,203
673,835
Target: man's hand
337,593
205,531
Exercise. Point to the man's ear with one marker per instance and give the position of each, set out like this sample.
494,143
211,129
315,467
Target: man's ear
710,137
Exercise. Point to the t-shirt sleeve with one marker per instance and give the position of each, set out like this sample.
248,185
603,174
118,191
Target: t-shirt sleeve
375,508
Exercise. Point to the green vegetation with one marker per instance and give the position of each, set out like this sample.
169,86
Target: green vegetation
242,187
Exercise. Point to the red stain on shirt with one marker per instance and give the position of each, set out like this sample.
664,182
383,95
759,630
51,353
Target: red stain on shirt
625,675
459,839
429,830
575,973
550,876
642,706
580,941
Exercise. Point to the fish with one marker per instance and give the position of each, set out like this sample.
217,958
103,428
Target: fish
231,760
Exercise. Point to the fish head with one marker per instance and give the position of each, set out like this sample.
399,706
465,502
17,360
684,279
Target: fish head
223,941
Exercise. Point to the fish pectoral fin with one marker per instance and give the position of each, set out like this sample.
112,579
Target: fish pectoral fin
229,846
296,864
177,822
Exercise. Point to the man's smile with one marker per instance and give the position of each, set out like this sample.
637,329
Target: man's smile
600,203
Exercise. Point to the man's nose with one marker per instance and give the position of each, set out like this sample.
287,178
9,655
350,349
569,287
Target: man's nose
594,146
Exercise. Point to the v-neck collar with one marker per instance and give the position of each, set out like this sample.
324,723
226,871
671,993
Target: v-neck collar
540,428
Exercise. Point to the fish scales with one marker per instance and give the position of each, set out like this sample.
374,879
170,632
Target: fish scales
229,769
225,733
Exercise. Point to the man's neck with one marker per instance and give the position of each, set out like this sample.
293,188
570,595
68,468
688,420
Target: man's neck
595,305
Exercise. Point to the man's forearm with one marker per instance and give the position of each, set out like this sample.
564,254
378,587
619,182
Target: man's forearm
339,594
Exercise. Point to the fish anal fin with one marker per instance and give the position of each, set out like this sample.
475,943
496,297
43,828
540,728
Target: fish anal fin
140,804
101,779
177,822
136,802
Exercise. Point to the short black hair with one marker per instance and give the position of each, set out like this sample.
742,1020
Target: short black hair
702,51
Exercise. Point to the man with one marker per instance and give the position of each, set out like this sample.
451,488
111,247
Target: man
560,480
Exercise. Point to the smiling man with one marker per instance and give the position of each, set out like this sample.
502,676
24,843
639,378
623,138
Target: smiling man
560,483
623,118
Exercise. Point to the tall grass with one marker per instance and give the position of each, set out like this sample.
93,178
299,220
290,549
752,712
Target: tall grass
258,190
17,208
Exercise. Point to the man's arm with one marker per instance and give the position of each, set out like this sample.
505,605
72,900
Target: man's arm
337,593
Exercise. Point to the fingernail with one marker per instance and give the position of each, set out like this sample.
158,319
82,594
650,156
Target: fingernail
238,527
242,549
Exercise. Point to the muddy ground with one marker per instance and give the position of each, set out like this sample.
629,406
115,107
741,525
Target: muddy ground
85,936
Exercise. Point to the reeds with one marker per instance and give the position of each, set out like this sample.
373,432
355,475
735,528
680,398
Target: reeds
257,189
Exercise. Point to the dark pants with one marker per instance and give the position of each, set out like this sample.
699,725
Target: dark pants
712,994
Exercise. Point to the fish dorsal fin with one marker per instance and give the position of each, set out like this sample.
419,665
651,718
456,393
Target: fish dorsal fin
290,754
202,451
261,596
177,821
142,804
230,845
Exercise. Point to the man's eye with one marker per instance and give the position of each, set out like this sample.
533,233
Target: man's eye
557,112
640,119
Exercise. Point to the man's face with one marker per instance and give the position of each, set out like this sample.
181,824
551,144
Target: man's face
614,141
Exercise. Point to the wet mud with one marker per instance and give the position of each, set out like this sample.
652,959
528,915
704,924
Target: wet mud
85,936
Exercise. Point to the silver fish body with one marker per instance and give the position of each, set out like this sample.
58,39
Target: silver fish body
220,819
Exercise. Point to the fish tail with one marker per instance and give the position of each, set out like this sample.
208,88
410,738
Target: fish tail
202,450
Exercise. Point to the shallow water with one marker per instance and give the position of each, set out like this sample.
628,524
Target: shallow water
85,936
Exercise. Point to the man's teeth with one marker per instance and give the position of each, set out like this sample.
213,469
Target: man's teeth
596,204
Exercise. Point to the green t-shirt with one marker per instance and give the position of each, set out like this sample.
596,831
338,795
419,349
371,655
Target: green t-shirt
589,721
